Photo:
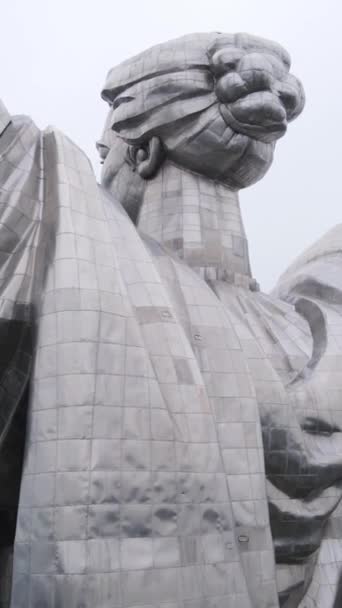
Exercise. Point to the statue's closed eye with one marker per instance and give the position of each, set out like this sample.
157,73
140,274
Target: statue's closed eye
317,426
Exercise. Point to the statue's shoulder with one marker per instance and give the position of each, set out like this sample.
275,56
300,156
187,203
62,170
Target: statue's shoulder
71,181
18,136
317,269
59,149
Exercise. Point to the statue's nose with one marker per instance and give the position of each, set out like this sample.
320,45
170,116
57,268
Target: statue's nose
256,71
300,472
287,96
291,95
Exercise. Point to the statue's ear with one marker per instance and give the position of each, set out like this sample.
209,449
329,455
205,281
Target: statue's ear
146,158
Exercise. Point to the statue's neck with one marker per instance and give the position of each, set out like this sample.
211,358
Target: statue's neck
200,220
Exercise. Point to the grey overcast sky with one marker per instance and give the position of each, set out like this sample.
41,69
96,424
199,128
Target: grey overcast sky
55,55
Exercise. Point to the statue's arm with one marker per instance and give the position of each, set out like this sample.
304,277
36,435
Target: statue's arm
19,220
20,200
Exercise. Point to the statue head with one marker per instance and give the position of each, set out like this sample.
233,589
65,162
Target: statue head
213,104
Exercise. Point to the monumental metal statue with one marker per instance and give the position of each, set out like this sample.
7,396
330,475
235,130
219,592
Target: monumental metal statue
182,430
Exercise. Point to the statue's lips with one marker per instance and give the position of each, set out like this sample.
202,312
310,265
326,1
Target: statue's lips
298,526
295,538
296,551
260,115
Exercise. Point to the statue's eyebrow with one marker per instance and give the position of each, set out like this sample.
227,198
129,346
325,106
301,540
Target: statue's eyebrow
111,91
317,426
122,99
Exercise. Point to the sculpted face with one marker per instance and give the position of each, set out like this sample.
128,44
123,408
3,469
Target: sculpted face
216,104
216,108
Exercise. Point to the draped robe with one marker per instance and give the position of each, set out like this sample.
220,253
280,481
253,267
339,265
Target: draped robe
143,481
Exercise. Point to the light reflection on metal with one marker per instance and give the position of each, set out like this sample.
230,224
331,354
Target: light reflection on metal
183,445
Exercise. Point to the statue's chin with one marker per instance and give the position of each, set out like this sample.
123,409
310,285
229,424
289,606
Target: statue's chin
251,165
268,130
